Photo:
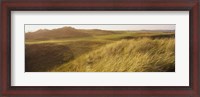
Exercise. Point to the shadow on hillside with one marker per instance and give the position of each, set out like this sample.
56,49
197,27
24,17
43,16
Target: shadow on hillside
43,57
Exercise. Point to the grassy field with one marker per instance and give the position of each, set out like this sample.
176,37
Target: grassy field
140,55
103,51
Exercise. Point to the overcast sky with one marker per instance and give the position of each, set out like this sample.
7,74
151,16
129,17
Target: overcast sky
32,28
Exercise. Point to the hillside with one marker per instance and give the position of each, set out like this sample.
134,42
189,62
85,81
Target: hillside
65,32
97,32
94,50
136,55
69,32
43,57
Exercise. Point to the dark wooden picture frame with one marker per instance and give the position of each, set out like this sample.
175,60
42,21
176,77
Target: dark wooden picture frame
193,90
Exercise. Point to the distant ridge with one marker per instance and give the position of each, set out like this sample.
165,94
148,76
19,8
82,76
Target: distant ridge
70,32
165,31
97,31
157,31
64,32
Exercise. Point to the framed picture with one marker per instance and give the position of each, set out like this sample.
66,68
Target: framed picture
137,48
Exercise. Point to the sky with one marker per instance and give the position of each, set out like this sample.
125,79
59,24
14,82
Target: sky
33,28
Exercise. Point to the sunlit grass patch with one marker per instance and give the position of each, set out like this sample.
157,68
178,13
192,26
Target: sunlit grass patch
135,55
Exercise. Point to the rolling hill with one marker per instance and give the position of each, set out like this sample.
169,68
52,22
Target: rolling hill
69,32
65,32
43,57
140,55
95,32
93,50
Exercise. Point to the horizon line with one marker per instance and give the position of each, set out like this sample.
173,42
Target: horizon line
34,28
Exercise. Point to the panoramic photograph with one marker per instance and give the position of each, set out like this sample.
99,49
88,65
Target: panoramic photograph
100,48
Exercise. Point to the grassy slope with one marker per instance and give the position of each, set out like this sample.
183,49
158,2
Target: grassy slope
102,38
76,46
141,55
45,56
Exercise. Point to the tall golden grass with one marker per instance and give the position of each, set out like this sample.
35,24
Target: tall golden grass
135,55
